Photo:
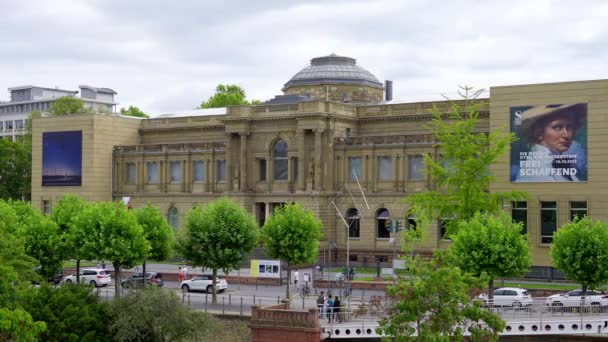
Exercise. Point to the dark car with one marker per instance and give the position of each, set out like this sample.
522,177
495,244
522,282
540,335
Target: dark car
135,280
55,279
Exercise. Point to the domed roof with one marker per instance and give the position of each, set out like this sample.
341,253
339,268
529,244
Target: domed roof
333,69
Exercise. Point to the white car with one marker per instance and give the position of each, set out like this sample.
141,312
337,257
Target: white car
92,276
575,298
203,283
508,296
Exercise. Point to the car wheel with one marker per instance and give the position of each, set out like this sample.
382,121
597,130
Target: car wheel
93,283
220,291
517,304
68,281
185,288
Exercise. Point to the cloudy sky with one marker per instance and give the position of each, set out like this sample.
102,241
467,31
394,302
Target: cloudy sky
167,56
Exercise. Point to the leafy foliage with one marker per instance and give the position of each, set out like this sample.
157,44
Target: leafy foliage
227,95
156,230
156,314
292,234
218,236
580,250
67,105
460,179
71,313
133,111
436,303
491,245
67,208
12,244
15,169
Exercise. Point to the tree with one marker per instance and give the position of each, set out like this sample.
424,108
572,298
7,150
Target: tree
15,169
67,208
157,314
218,236
460,179
12,244
107,231
436,303
157,232
580,250
227,95
68,105
491,245
292,234
133,111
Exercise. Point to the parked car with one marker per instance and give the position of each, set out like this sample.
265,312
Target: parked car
55,279
203,283
135,280
508,296
92,276
575,298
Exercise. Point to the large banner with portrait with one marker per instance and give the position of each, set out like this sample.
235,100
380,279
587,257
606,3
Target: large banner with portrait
551,144
62,158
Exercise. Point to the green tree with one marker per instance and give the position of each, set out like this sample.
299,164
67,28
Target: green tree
133,111
491,245
218,236
157,314
580,250
67,208
71,313
107,231
460,178
227,95
15,169
157,232
292,234
12,244
68,105
436,303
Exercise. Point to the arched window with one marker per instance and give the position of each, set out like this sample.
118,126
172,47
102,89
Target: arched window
382,220
280,160
173,218
352,218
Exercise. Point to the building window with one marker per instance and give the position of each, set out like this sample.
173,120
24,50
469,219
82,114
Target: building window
578,209
295,169
385,168
18,124
198,171
383,218
46,207
152,169
548,221
519,214
176,171
221,170
280,160
262,170
411,223
353,220
130,173
173,218
414,168
354,168
443,228
9,125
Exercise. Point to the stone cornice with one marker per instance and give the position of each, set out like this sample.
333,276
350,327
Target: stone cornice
384,140
412,117
169,130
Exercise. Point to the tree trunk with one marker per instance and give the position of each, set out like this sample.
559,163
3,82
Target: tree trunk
491,292
143,278
116,280
213,286
77,271
288,280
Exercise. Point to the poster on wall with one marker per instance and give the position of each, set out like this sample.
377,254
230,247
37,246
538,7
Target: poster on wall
551,143
62,158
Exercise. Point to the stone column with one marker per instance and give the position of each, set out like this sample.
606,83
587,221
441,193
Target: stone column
301,160
330,162
228,154
185,176
318,158
395,172
243,162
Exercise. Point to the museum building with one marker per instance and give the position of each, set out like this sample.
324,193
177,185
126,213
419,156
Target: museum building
334,132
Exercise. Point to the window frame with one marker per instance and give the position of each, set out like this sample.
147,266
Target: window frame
381,223
411,170
280,161
156,179
350,169
545,238
574,209
196,165
520,207
131,176
220,168
175,165
388,176
353,218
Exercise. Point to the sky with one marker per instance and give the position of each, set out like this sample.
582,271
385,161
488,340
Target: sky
167,56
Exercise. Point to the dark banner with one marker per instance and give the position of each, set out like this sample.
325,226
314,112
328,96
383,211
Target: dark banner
551,145
62,158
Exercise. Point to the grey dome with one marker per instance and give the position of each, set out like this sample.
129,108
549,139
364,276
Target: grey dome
333,69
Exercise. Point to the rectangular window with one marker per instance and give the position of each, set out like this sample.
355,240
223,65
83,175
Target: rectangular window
18,124
548,221
130,173
578,209
519,214
443,228
46,207
9,125
221,170
152,170
176,171
295,169
385,168
198,174
262,170
414,167
354,168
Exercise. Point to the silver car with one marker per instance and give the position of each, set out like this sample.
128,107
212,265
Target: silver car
575,298
509,296
203,283
92,276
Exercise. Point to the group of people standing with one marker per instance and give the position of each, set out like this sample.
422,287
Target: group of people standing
183,273
330,306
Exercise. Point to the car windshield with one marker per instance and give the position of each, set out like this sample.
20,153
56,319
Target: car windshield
525,293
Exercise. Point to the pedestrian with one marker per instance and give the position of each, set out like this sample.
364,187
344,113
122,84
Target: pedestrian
329,308
320,303
295,278
337,310
180,276
185,269
103,265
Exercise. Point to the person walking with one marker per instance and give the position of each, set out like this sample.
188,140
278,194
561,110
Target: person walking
321,303
329,308
337,310
296,277
185,269
180,276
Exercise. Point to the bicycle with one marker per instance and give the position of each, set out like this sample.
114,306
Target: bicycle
304,289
